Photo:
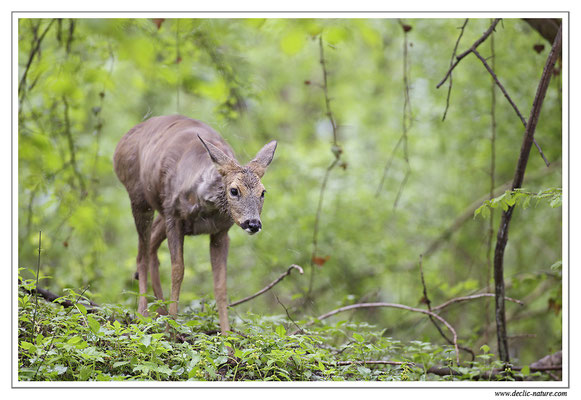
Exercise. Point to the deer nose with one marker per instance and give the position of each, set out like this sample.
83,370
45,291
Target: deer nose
251,226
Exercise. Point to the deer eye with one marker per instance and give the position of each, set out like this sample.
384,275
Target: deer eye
263,192
234,192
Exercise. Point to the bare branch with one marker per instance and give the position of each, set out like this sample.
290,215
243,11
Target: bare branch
470,50
391,305
511,102
428,303
472,297
288,315
270,286
452,62
502,237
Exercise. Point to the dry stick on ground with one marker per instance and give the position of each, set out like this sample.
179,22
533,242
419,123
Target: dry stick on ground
428,303
391,305
336,149
502,236
446,371
473,50
270,286
55,298
451,62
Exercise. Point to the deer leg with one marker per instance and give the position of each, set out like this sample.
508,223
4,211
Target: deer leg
175,242
219,244
143,218
158,235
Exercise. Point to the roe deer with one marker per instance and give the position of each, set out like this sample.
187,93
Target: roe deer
184,170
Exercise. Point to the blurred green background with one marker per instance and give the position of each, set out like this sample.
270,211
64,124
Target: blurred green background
254,80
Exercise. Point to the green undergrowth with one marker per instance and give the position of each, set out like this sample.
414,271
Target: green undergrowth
80,343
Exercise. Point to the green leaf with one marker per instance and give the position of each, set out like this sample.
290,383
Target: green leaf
526,370
358,337
93,324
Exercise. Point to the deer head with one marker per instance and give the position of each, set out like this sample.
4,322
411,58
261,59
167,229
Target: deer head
244,191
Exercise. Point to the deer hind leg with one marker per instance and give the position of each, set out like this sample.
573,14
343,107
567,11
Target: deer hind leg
143,215
175,242
158,235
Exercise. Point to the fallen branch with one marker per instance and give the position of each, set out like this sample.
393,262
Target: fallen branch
54,298
270,286
390,305
446,371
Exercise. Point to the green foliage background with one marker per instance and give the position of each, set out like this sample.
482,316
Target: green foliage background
255,80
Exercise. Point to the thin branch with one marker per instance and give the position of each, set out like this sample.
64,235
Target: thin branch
336,150
391,305
470,50
288,314
428,303
451,62
325,88
34,51
55,298
444,371
36,284
511,102
71,145
406,123
270,286
502,237
472,297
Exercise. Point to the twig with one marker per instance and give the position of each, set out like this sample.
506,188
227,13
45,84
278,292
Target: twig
391,305
472,297
428,303
270,286
288,314
71,145
505,93
33,53
451,62
36,284
337,151
502,236
470,50
444,371
54,334
406,123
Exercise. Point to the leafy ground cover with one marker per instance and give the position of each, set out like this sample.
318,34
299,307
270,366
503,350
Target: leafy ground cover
108,343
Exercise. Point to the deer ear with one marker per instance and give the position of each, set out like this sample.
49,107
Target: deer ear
263,159
223,163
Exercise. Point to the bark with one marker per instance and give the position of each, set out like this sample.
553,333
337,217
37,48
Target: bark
502,236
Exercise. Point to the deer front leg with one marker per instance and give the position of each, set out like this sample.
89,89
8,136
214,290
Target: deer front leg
175,241
219,244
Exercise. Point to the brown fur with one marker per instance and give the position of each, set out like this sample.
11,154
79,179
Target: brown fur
185,171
